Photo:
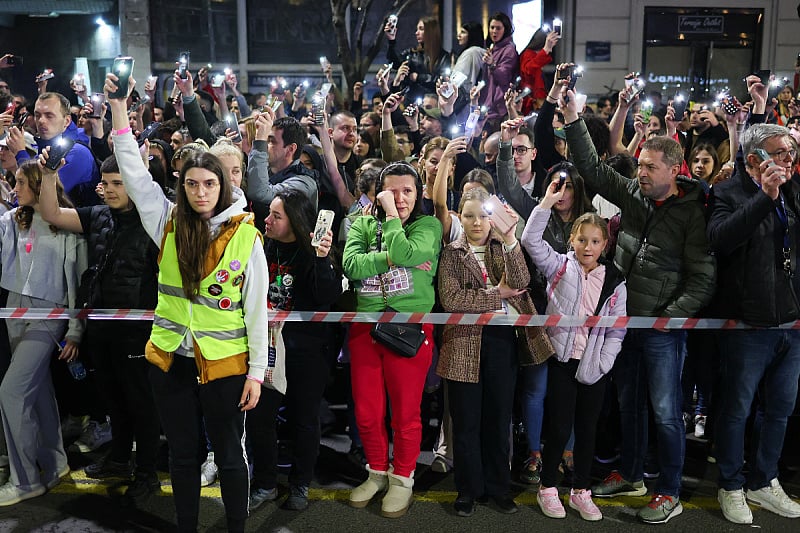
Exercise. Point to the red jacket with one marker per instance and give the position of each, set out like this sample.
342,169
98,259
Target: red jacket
530,68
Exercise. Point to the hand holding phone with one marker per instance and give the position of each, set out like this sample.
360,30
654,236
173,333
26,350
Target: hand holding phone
122,69
183,65
323,226
58,150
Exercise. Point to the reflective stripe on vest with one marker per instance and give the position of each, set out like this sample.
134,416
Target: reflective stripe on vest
215,317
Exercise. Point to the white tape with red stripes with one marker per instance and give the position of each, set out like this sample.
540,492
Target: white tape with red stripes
483,319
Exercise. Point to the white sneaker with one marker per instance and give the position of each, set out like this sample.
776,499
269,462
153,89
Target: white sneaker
700,426
208,471
94,436
11,494
734,506
773,498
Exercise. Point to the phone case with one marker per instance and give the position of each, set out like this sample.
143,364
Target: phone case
324,223
58,150
497,213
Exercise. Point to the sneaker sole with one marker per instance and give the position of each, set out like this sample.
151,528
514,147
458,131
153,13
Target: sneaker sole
26,496
730,518
54,482
675,512
440,467
769,507
359,504
585,516
396,514
636,492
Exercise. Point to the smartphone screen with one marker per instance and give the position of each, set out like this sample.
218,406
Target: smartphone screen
183,65
764,75
148,132
122,69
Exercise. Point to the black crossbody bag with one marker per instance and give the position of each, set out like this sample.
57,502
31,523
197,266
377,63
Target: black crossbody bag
403,339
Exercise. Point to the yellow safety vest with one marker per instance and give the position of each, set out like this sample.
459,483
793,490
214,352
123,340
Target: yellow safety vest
215,318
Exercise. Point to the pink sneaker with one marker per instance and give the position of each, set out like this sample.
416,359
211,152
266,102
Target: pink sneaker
550,504
582,502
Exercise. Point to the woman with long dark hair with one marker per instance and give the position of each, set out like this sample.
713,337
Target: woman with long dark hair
302,278
501,65
41,267
209,342
470,60
391,257
426,62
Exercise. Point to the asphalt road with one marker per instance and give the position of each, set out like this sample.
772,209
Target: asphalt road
79,504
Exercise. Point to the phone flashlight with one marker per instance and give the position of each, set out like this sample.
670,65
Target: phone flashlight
562,179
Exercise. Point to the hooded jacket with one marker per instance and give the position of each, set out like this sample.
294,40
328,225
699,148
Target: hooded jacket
499,76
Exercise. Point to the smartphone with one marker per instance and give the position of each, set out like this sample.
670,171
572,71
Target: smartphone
679,105
458,78
47,74
637,89
764,156
324,224
318,109
565,73
148,132
15,61
472,124
183,65
480,85
79,82
233,125
410,110
764,76
557,26
525,92
58,150
324,63
217,80
517,81
447,89
562,179
122,69
497,214
97,100
392,20
646,110
11,108
775,87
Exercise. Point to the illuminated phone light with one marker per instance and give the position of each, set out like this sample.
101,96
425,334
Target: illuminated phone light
447,71
546,28
305,84
484,109
227,71
419,101
488,208
556,22
647,104
454,130
679,98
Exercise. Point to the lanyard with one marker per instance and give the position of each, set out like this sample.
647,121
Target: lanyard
780,209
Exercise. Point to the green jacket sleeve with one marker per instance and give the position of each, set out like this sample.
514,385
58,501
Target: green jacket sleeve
359,259
420,243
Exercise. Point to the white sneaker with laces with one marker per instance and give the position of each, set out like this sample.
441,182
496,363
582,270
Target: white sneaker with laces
208,471
773,498
94,436
734,506
10,494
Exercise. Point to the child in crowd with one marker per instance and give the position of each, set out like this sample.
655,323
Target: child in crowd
579,283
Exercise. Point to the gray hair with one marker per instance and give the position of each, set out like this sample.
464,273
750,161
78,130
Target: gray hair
756,135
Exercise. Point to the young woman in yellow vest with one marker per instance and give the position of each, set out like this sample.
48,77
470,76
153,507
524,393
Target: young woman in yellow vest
209,340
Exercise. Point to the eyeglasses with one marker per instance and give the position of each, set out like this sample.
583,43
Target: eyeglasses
194,186
781,154
521,150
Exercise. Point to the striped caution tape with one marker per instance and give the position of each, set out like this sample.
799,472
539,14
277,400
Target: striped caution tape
463,319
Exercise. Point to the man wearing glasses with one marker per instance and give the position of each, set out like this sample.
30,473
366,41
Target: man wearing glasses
753,231
517,178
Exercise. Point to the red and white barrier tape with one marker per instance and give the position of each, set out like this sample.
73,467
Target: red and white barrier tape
483,319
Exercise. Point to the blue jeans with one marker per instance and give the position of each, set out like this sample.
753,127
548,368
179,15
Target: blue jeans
533,393
766,362
649,369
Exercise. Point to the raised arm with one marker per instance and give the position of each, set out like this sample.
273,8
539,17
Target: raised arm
61,217
345,198
439,196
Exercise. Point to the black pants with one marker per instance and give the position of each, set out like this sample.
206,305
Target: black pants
307,373
122,376
181,402
481,414
569,405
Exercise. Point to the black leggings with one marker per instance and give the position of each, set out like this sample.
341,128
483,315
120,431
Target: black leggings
570,404
181,402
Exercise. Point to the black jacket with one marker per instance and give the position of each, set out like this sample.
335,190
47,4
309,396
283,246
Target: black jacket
747,236
418,63
124,261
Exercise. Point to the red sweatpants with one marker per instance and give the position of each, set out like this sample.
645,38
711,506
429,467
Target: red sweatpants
376,370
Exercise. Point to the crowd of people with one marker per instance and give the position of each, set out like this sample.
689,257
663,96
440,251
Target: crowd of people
470,182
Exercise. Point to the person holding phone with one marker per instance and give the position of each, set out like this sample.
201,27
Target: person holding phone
209,342
426,62
41,267
484,271
500,66
302,278
391,257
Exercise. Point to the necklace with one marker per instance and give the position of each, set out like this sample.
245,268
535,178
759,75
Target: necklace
283,278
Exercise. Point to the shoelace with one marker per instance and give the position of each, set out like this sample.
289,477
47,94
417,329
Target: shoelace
779,493
737,498
657,500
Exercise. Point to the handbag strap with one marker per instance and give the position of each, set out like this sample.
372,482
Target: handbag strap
378,239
